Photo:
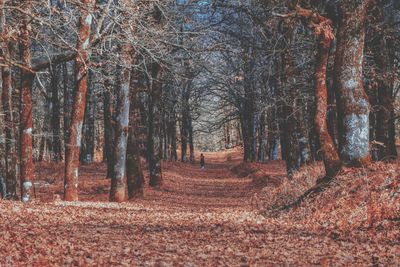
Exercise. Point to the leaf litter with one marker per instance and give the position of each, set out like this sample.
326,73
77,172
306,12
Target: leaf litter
209,217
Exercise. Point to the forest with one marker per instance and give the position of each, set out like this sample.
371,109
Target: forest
200,132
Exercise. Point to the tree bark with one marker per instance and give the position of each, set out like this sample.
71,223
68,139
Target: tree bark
87,148
26,121
261,139
191,141
10,185
55,118
249,111
331,157
118,181
172,131
108,129
185,121
272,122
67,104
154,149
352,101
323,29
75,129
135,178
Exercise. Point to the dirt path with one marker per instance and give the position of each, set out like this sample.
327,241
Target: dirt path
187,186
200,218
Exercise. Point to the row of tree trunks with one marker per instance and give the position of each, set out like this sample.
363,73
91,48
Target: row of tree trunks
75,129
169,133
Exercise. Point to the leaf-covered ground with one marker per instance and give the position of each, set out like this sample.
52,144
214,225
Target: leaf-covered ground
199,218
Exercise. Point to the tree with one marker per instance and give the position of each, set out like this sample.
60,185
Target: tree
26,122
352,101
323,29
75,129
118,181
6,99
135,179
154,148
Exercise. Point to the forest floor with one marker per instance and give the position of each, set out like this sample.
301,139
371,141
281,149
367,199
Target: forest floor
199,218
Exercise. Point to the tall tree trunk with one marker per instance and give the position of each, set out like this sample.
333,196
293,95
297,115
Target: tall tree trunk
10,185
191,141
352,101
87,148
135,178
273,137
165,135
322,27
75,129
118,181
154,149
26,122
332,114
289,140
67,105
184,125
172,130
249,110
245,136
55,118
108,129
331,157
273,122
10,149
261,139
144,119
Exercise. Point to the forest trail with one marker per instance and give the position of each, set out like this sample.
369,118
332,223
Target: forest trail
187,186
199,218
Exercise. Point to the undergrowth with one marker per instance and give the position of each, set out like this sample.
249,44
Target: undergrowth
356,199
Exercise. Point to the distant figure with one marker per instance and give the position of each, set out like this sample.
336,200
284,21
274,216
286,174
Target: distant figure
202,161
